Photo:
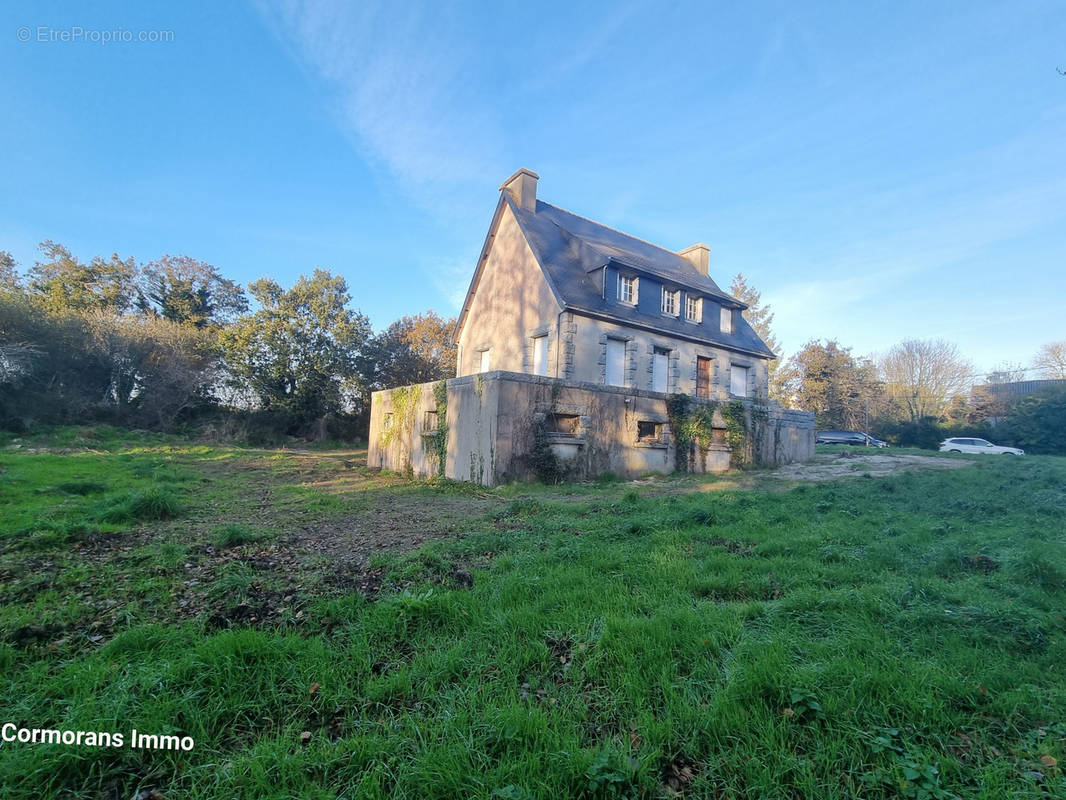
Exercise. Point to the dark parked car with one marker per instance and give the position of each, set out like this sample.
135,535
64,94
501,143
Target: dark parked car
848,437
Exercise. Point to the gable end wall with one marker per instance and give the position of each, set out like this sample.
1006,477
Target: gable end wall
511,304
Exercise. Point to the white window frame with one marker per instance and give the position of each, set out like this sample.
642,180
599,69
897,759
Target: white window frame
660,369
725,320
671,302
630,282
734,370
540,354
693,308
485,362
619,347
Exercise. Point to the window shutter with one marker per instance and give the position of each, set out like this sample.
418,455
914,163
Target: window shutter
540,355
659,364
616,362
738,381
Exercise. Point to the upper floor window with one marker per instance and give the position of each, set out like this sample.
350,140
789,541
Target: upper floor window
693,308
485,360
627,289
671,300
727,320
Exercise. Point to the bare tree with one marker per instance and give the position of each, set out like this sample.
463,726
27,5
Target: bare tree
1007,372
1051,360
922,375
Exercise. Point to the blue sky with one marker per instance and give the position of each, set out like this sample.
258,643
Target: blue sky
879,170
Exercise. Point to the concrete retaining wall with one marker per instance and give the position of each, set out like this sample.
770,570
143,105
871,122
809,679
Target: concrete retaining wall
492,419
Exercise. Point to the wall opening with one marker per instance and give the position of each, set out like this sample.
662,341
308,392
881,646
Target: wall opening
649,432
566,424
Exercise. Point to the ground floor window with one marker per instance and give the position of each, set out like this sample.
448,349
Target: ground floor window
540,355
738,380
616,362
660,372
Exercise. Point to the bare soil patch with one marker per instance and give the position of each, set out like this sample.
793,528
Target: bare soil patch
834,466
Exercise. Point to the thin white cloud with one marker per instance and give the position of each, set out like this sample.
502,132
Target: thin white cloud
399,71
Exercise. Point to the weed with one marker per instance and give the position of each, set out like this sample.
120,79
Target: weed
610,775
803,706
232,535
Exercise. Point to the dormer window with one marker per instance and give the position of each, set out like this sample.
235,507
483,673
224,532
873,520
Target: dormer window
693,308
727,320
627,289
671,301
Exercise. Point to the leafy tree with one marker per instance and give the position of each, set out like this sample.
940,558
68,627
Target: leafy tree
184,290
157,368
923,375
50,371
837,387
760,318
9,277
61,282
1050,360
298,351
413,349
1035,422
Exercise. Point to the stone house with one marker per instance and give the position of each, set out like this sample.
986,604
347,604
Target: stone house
558,295
578,335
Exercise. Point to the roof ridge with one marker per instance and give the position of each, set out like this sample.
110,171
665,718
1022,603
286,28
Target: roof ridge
608,227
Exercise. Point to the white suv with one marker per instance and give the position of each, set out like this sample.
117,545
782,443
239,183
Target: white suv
977,446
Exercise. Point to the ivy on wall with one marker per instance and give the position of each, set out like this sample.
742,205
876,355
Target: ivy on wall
405,400
543,460
437,441
692,425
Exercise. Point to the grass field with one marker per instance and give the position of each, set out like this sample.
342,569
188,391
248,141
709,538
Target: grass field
323,631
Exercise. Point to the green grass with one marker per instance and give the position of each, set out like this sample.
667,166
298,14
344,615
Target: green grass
876,638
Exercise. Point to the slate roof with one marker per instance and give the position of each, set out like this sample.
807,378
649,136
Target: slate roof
572,251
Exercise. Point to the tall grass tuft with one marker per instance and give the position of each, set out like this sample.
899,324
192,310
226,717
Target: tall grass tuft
143,506
232,535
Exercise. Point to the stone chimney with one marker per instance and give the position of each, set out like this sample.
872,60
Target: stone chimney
699,255
522,187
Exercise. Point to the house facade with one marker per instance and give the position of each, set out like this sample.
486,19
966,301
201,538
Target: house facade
557,295
578,338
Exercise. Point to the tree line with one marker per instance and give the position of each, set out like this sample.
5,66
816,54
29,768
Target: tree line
919,392
172,343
